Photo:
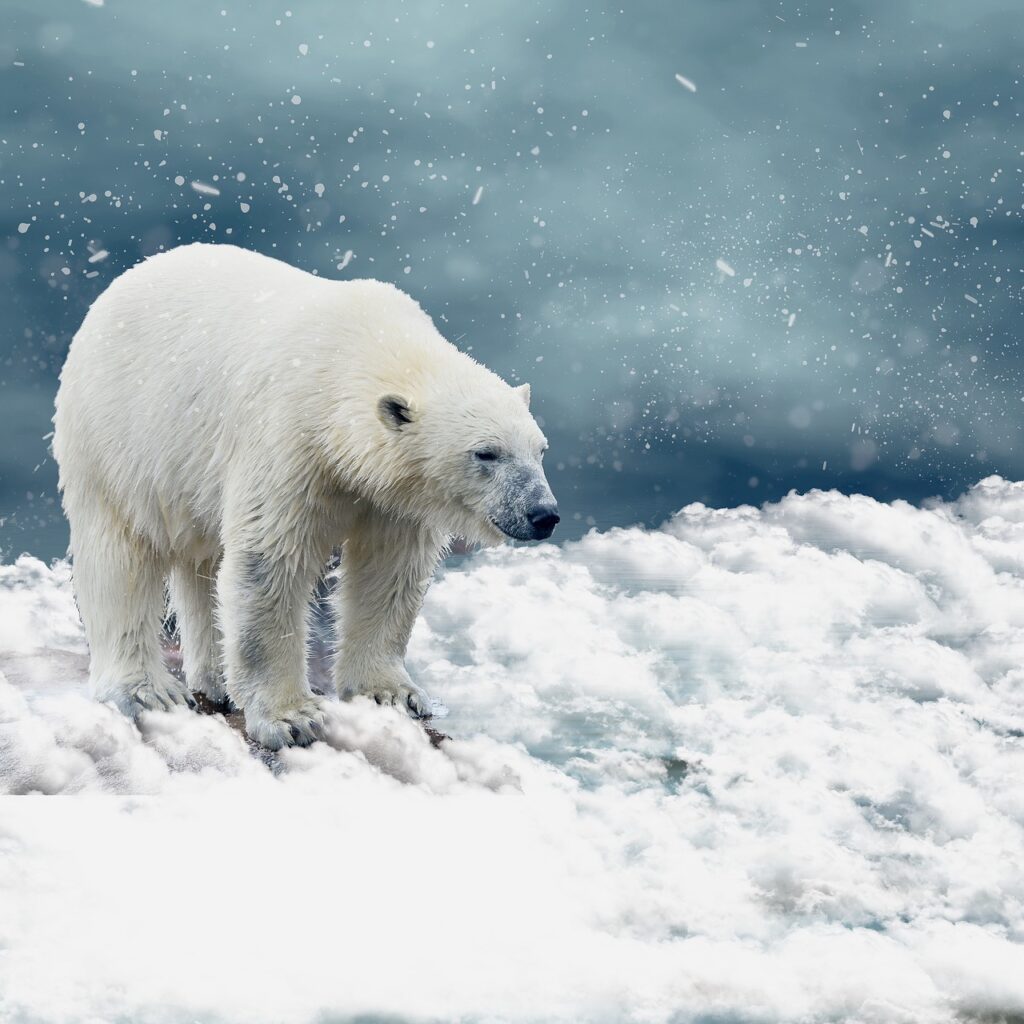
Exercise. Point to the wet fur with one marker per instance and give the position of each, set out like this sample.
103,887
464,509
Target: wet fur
220,427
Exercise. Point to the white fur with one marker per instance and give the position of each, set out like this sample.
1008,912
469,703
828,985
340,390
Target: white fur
219,426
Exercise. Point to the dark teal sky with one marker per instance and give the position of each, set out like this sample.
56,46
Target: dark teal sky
807,272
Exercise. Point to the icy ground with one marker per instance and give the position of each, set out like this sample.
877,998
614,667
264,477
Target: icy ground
760,765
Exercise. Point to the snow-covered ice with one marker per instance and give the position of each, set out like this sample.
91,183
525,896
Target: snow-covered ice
758,765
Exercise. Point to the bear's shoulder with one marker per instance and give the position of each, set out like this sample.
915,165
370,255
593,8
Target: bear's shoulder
381,302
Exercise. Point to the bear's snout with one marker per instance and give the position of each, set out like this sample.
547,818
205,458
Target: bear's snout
543,520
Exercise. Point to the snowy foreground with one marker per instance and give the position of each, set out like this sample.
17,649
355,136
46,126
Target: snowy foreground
760,765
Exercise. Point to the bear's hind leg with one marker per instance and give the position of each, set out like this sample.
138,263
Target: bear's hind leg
119,585
193,590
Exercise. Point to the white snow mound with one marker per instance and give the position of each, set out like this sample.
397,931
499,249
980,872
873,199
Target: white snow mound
758,765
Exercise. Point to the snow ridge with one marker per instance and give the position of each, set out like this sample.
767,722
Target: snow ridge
758,765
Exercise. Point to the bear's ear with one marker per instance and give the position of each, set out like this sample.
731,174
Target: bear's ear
523,391
394,412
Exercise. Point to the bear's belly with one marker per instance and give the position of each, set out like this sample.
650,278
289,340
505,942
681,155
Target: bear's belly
186,534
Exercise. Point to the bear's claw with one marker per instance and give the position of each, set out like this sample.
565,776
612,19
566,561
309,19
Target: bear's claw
414,699
161,693
298,727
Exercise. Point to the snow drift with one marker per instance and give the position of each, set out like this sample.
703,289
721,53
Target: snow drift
758,765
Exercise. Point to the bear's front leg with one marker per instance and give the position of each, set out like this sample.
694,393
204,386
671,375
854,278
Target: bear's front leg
386,568
263,599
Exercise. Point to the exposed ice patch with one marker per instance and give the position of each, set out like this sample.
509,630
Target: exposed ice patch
760,764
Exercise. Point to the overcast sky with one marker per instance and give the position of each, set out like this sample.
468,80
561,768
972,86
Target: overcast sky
735,246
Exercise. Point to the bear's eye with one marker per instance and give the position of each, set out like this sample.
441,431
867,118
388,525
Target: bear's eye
485,455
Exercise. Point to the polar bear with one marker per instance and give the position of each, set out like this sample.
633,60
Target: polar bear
223,422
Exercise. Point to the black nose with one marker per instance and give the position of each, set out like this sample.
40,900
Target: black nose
544,519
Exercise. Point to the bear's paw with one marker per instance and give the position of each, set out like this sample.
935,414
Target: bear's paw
408,695
401,693
153,692
212,686
296,727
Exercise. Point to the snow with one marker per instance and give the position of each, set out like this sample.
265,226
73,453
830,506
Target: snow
759,764
686,83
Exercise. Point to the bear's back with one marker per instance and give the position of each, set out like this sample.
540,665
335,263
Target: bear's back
206,360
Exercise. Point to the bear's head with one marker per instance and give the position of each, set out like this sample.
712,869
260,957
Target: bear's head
471,453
